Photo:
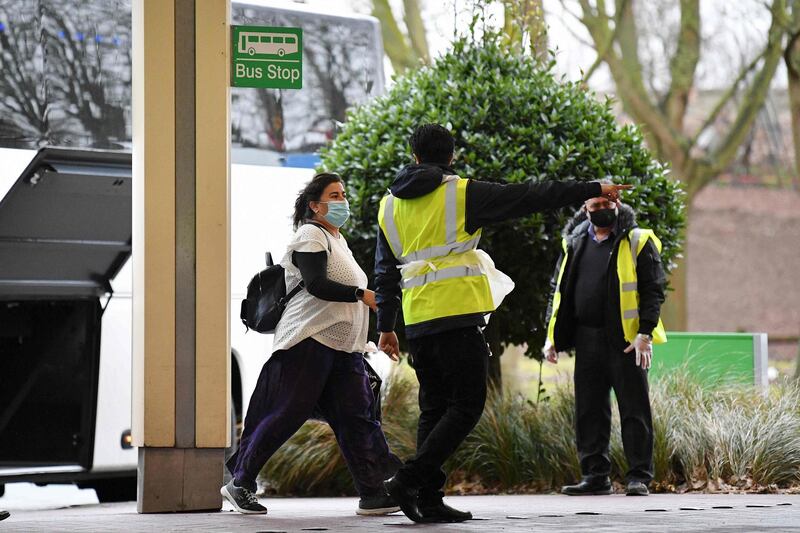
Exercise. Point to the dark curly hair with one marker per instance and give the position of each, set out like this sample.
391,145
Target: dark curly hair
312,193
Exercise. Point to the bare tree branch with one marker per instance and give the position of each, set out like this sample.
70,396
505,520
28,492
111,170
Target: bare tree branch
726,97
684,63
602,52
792,59
753,100
630,90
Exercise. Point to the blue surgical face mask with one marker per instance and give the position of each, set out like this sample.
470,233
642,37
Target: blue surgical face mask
338,213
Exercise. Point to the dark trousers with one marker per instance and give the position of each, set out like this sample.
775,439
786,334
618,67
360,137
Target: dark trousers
291,384
598,369
451,368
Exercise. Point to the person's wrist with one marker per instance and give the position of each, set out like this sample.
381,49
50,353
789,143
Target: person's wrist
647,337
359,293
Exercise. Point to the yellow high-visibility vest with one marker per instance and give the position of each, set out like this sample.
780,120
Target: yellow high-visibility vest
441,272
627,257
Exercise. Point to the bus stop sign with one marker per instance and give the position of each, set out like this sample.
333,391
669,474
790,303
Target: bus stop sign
267,57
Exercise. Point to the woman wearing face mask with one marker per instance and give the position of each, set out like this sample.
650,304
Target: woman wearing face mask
317,359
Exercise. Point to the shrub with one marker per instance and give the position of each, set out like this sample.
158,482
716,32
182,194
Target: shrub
513,120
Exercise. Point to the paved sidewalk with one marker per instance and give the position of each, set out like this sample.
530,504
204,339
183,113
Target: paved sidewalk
665,512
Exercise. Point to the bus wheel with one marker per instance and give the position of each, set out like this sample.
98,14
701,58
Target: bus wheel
115,489
251,51
281,52
2,490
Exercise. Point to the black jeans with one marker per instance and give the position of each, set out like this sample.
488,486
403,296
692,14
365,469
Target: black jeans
598,369
295,382
452,367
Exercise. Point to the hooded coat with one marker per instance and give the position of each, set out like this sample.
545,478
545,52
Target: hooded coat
486,203
649,273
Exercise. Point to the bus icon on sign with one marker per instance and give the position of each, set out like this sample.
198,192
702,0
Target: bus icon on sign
269,44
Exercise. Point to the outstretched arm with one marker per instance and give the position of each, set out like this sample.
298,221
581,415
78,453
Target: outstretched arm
490,203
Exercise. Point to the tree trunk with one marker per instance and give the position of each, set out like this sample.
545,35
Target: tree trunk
537,27
395,45
797,364
675,311
792,59
416,29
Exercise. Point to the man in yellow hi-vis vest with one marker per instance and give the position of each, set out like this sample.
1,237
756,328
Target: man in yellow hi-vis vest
427,256
608,288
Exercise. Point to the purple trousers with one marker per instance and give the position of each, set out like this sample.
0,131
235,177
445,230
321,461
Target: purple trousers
291,384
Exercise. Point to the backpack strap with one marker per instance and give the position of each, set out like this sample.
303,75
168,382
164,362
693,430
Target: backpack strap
324,232
300,286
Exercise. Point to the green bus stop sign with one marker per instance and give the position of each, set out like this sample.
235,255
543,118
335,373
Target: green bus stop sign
267,57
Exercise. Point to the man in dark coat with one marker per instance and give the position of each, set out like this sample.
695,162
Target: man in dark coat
613,344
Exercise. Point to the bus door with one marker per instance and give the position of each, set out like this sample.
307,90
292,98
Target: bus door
65,231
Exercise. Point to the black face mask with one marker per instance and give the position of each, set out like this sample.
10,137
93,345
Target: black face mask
603,218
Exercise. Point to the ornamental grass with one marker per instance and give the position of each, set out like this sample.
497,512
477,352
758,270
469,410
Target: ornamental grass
728,439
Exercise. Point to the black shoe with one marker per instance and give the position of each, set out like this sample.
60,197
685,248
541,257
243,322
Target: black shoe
636,488
380,504
405,497
4,515
441,512
588,487
242,499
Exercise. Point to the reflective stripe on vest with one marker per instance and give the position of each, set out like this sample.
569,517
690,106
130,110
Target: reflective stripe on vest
391,229
441,271
556,305
460,271
451,229
627,257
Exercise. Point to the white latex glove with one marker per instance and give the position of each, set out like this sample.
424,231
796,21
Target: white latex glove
549,352
644,350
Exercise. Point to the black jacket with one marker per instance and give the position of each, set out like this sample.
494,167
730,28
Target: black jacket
486,203
649,273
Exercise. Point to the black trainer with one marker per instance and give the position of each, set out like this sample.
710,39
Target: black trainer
379,504
242,499
441,512
636,488
405,497
4,514
588,487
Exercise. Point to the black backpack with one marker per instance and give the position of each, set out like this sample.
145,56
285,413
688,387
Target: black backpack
266,296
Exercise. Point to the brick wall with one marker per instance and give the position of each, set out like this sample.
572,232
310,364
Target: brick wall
744,264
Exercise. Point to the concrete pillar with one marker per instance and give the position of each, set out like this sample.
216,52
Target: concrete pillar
181,251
